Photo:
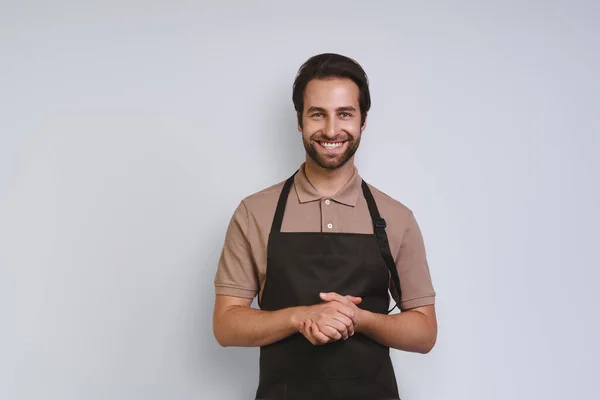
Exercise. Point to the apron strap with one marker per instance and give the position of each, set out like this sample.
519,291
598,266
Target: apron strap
379,226
278,218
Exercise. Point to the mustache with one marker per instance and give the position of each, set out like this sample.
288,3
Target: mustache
339,138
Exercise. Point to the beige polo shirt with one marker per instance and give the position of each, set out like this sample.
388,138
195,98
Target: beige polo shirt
242,266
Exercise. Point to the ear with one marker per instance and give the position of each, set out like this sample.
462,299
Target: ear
364,125
299,119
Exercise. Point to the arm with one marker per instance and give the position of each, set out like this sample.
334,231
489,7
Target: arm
413,330
235,323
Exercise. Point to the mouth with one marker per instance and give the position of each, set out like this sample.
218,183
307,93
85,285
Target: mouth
330,145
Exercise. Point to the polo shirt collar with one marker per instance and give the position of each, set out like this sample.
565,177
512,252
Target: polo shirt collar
347,195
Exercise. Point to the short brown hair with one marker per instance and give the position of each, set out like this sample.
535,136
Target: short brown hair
331,65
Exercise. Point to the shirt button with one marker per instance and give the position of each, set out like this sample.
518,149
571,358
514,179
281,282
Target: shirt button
327,201
329,226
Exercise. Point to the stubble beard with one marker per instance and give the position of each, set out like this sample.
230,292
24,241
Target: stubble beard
331,163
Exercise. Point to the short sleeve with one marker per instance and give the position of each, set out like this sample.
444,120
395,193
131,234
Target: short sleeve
413,268
236,272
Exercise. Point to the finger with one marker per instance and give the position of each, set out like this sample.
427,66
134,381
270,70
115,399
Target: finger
342,319
307,332
332,322
332,296
348,323
338,326
304,323
318,335
330,331
347,311
302,328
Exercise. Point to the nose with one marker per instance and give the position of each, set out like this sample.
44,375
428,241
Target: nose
331,128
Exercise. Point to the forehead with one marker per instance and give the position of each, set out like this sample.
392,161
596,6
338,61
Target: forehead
331,92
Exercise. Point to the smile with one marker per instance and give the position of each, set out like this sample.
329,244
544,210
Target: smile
330,145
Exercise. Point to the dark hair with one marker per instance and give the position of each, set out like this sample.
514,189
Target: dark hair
330,65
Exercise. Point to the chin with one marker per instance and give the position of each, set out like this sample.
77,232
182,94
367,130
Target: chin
329,163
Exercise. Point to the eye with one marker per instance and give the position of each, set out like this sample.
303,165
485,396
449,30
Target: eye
345,115
317,115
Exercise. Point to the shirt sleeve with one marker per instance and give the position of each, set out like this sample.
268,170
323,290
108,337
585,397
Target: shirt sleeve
413,269
236,272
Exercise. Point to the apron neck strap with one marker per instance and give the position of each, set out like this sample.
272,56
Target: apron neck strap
278,219
379,226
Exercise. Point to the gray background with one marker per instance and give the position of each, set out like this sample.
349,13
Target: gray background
130,131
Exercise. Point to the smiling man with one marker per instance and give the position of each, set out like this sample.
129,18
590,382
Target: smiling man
323,251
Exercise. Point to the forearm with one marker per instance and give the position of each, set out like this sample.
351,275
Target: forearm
248,327
411,331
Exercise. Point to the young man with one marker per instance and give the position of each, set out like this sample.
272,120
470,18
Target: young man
323,251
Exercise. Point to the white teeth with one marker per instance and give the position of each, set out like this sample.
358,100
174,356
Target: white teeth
331,145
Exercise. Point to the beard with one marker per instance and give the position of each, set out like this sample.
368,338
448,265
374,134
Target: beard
330,161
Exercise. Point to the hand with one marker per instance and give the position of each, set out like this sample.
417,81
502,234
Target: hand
313,334
335,318
349,301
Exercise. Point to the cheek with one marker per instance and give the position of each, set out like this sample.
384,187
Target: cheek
311,126
352,127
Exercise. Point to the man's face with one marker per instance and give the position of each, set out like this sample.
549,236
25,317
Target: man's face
331,125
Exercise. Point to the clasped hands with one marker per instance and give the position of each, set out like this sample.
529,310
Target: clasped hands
334,319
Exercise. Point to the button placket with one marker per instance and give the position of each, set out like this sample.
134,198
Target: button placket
326,215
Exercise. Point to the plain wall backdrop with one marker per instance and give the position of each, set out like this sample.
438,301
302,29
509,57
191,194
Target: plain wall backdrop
130,131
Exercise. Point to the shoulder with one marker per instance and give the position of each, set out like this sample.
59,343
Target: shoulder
390,207
265,199
402,226
399,217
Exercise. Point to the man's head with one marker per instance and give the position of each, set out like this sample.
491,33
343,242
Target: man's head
331,97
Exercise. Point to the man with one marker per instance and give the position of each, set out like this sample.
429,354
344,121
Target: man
323,251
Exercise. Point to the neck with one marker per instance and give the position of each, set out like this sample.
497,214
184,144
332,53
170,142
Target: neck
328,182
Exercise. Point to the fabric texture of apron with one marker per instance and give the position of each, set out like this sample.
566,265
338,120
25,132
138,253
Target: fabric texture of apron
300,265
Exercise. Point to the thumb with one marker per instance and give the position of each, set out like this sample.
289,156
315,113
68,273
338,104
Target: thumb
355,300
331,296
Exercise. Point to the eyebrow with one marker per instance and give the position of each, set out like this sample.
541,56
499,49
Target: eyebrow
339,109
